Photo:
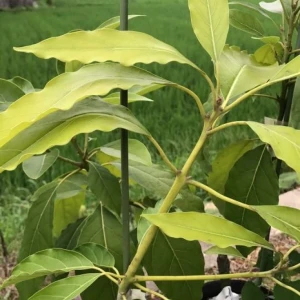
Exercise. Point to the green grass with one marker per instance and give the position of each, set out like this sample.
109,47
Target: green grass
172,118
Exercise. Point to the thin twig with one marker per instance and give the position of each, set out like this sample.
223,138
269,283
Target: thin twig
151,292
77,147
285,286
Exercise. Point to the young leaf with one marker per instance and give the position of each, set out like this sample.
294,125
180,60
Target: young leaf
197,226
285,142
168,256
250,291
25,85
36,166
59,127
138,152
231,251
246,22
222,165
257,185
9,92
266,55
114,22
124,47
210,21
295,110
286,219
62,92
105,186
66,289
97,254
48,262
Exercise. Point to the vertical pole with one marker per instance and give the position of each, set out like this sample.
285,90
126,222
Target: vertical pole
124,157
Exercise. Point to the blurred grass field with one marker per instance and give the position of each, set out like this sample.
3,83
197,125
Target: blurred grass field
172,118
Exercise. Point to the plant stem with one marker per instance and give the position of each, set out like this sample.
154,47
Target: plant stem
150,292
224,126
267,274
70,161
163,154
76,146
285,286
266,96
220,196
195,97
85,147
177,185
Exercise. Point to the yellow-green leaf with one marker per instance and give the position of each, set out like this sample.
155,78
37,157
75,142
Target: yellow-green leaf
62,92
114,22
285,142
231,251
266,55
115,98
125,47
210,21
286,219
198,226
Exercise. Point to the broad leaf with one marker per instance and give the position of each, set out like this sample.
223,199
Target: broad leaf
288,180
210,21
66,289
285,142
62,92
257,185
103,228
115,98
9,92
222,165
48,262
125,47
36,166
168,256
266,54
283,293
286,219
114,22
187,201
295,110
59,127
25,85
197,226
105,186
138,152
250,291
73,66
97,254
246,22
231,251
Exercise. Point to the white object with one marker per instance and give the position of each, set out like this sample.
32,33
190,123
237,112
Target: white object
227,294
274,7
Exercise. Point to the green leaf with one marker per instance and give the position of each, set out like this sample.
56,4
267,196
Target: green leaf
66,289
9,92
286,219
197,226
73,66
222,165
257,185
282,293
231,251
105,186
288,180
124,47
210,21
59,127
295,110
39,223
246,22
25,85
266,55
103,228
168,256
97,254
115,98
250,291
36,166
268,39
47,262
138,152
285,142
114,22
62,92
187,201
67,211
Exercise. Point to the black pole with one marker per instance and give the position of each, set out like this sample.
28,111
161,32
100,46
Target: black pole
124,158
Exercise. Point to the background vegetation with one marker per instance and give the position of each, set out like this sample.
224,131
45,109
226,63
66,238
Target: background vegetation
171,118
